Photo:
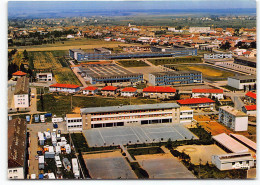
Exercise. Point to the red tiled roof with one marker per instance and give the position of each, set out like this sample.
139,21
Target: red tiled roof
251,94
90,88
250,107
69,86
109,88
129,89
247,53
19,73
159,89
216,91
195,101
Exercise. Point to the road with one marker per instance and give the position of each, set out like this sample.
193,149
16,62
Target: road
81,79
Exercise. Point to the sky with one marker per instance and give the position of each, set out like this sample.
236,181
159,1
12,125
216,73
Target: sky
25,8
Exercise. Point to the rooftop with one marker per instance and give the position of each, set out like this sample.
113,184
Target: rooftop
129,89
109,88
69,86
128,108
250,107
216,91
251,94
22,86
19,73
244,77
175,73
90,88
230,143
159,89
73,116
185,109
245,140
16,142
195,101
233,111
233,157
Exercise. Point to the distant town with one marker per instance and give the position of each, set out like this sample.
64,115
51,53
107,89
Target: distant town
116,98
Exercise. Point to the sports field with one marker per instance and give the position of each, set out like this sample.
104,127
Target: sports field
110,165
164,166
136,134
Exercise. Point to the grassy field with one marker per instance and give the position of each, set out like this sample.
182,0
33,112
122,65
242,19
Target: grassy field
132,63
61,104
176,60
83,43
65,75
230,88
207,71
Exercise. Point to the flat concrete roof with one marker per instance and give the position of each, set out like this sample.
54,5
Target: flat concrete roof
244,77
233,157
73,115
230,143
233,111
128,108
245,140
174,72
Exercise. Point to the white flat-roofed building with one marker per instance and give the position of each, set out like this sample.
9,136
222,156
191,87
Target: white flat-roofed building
245,141
44,77
233,161
130,115
199,29
186,115
41,162
232,118
239,82
229,144
217,56
74,122
217,93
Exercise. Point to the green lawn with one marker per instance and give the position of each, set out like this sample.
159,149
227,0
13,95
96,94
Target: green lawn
61,104
176,60
132,63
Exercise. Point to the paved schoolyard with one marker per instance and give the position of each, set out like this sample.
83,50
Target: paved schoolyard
136,134
110,165
164,166
201,153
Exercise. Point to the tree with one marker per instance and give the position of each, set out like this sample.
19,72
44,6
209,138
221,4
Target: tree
225,46
25,54
169,144
22,68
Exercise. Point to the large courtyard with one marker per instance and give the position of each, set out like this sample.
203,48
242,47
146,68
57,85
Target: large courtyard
136,134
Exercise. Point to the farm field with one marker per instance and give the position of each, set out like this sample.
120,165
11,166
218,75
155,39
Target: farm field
132,63
207,71
65,75
176,60
82,43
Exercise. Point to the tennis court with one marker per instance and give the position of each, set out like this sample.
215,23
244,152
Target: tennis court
136,134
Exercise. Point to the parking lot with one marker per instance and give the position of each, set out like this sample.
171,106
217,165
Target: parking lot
136,134
110,165
164,166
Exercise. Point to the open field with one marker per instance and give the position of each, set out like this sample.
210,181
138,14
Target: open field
164,166
201,153
207,71
61,104
136,134
176,60
65,75
82,43
110,165
132,63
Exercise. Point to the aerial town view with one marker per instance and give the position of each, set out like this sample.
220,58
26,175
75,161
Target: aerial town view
132,90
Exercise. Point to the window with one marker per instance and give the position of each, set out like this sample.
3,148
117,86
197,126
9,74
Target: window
10,171
15,171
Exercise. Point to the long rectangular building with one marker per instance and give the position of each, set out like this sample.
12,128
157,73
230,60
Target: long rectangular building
129,115
22,93
107,73
175,77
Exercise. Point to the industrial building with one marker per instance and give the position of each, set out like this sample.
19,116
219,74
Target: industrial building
44,77
218,56
233,161
17,149
159,92
80,55
237,67
217,93
241,82
232,118
197,103
129,115
177,51
175,78
103,73
251,62
67,88
22,93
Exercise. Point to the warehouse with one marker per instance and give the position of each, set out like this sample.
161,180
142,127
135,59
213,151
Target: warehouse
229,144
159,92
103,73
241,82
217,93
197,103
233,161
232,118
68,88
175,78
130,115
